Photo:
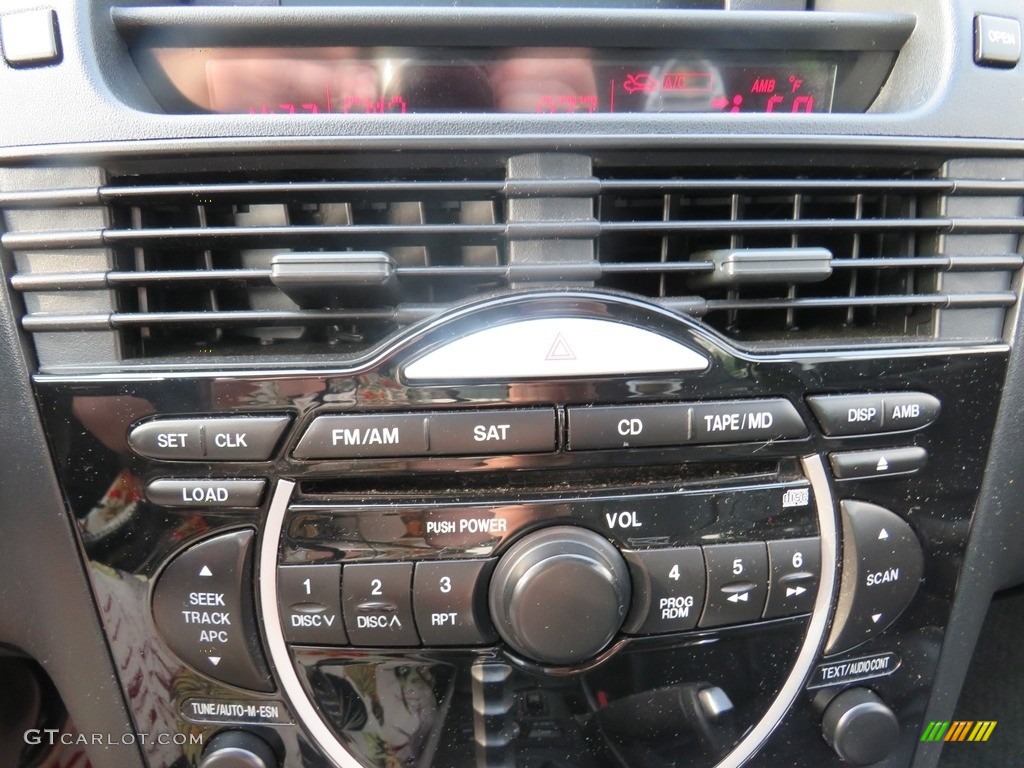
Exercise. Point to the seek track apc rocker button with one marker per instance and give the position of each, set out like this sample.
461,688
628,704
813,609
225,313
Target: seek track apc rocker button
202,606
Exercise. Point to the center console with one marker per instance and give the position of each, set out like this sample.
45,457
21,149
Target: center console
493,386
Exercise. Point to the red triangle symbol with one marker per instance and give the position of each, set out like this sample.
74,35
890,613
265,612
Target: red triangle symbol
560,349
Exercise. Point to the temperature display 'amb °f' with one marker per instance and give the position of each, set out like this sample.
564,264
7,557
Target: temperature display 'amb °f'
725,89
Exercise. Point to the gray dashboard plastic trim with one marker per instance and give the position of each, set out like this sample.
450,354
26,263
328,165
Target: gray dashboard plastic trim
992,561
157,149
46,604
620,27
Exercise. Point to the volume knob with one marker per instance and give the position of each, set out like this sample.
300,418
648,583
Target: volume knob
559,595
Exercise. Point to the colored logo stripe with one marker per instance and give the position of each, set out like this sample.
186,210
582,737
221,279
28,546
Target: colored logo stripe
935,731
959,730
982,730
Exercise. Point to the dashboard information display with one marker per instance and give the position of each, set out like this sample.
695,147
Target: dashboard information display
522,81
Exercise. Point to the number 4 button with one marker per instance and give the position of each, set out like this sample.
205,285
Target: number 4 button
795,572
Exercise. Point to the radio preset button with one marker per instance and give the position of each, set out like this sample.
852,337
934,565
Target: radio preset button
628,426
795,573
450,602
746,421
202,606
845,415
361,436
668,589
310,602
377,604
495,431
215,494
737,583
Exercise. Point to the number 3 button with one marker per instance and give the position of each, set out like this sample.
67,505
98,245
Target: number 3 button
449,600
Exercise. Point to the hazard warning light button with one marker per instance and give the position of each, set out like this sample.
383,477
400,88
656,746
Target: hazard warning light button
554,347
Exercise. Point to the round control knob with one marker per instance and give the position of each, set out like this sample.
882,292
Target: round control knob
559,595
238,749
860,727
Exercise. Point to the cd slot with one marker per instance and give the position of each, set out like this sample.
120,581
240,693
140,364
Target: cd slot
546,482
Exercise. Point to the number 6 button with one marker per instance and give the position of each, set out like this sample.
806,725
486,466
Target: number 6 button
796,568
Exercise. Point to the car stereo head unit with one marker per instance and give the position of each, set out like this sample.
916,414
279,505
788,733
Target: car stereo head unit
618,540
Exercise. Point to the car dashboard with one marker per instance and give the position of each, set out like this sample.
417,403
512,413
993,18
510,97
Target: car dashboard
535,385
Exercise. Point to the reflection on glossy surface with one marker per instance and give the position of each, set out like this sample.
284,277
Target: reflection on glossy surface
387,711
536,80
382,707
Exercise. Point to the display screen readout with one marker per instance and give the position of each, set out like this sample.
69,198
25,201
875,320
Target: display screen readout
522,81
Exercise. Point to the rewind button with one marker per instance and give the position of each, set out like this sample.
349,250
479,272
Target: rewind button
737,583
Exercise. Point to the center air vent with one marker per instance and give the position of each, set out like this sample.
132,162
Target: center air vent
173,265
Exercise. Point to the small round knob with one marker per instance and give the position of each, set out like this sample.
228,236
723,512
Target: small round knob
559,595
238,749
860,727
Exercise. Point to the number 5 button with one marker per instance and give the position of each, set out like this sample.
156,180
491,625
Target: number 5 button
450,602
737,583
796,568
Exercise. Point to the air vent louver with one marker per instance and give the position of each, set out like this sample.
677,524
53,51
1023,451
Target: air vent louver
915,256
885,236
